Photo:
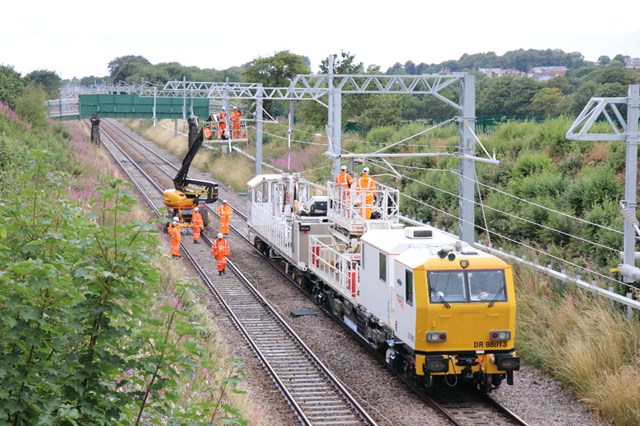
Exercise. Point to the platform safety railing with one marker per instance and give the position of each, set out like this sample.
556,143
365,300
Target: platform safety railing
332,262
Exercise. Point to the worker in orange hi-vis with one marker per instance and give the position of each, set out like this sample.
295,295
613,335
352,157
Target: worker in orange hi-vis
235,122
222,123
198,225
344,178
220,250
345,181
365,188
176,237
207,133
224,211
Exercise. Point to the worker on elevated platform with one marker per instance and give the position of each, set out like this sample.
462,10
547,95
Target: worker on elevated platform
220,250
176,237
198,225
344,178
206,131
344,182
366,190
235,123
222,124
224,211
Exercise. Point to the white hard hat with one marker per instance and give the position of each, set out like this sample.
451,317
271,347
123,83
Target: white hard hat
176,219
220,235
196,209
343,168
235,107
224,201
223,108
365,170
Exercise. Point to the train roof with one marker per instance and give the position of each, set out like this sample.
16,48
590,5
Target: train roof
415,257
259,178
394,241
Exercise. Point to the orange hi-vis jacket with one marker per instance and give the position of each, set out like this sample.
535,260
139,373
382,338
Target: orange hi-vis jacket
222,123
235,118
196,220
366,185
344,179
220,248
198,225
176,237
225,212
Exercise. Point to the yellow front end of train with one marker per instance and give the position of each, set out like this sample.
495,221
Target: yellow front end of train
466,319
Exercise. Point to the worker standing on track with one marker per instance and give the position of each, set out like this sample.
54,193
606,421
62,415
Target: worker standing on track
222,123
224,211
220,250
235,122
198,225
176,237
365,187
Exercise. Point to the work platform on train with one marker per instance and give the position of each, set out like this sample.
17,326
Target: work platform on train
356,211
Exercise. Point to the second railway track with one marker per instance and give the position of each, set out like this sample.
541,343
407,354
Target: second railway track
314,394
287,359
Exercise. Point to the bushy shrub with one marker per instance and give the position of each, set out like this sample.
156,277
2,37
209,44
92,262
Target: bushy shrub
531,163
592,186
30,106
381,135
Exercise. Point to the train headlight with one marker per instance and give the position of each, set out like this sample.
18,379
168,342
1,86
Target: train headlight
499,335
437,364
436,336
507,362
464,263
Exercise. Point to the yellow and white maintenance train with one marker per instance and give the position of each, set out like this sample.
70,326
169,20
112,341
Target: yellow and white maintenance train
441,311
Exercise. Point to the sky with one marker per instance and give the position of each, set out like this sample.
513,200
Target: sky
77,38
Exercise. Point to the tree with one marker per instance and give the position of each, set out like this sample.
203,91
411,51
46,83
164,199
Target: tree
507,96
30,105
547,102
396,69
620,58
124,66
11,85
345,64
410,68
276,71
615,74
92,79
50,81
604,60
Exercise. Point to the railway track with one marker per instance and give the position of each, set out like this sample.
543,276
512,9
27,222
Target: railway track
315,395
297,380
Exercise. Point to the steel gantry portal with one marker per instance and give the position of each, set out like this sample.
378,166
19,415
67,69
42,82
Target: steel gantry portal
327,89
606,110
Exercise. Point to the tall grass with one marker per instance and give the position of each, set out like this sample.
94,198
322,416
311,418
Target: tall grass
584,342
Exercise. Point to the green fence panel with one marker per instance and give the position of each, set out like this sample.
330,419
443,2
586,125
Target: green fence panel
133,106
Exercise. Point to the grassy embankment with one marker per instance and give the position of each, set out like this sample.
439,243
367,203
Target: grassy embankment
154,354
584,342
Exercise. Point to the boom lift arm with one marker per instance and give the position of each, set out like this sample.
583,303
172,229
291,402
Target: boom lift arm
189,193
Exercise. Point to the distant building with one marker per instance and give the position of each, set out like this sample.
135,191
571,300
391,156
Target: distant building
632,62
499,72
546,73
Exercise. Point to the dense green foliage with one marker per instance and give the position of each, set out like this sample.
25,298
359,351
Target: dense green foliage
91,335
11,85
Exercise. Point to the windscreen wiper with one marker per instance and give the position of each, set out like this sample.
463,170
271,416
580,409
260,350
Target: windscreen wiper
496,297
440,296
